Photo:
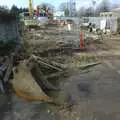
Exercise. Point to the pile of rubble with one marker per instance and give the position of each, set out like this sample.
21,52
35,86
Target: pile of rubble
41,65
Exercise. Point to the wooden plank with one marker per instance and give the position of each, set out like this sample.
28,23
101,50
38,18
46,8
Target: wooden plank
46,64
40,78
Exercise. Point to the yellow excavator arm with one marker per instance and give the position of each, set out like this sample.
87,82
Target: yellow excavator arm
30,7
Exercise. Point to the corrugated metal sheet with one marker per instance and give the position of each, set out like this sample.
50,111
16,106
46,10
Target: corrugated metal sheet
9,30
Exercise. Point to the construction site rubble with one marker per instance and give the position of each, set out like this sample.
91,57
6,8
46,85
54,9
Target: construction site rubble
60,60
45,59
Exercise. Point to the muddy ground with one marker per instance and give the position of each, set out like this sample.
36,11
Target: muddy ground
86,94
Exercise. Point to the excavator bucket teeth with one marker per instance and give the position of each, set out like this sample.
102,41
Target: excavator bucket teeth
41,79
25,85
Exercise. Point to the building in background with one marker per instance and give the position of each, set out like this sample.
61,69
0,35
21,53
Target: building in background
113,13
59,14
112,19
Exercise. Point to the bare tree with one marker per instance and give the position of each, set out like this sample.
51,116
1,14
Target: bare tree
63,6
47,5
85,12
104,6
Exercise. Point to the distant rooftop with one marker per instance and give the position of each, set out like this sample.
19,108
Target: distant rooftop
116,9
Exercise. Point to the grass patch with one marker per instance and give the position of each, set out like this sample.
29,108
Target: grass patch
85,58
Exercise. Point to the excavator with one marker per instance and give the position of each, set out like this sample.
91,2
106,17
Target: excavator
30,7
34,18
32,86
26,18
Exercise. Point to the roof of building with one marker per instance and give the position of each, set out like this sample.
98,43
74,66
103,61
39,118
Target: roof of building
116,9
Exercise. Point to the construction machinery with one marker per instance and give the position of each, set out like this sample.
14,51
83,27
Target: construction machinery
36,18
30,7
26,18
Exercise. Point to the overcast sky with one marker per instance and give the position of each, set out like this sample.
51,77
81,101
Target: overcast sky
56,3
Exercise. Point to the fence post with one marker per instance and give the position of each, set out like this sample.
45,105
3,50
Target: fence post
82,42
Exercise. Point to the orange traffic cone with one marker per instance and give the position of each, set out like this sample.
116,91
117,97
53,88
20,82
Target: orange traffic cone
82,43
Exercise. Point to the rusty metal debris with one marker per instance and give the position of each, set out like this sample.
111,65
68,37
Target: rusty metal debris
25,86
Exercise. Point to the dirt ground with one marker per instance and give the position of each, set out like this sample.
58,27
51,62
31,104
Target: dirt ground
86,94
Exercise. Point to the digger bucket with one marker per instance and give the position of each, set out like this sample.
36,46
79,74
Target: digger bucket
25,85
